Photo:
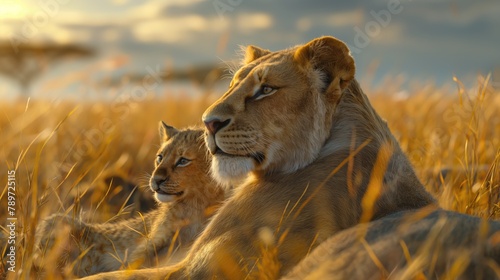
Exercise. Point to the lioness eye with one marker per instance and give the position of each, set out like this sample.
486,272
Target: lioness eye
183,162
263,92
159,158
267,90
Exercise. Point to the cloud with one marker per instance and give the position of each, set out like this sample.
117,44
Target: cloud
249,22
347,18
342,19
390,35
175,29
64,35
152,9
111,35
460,12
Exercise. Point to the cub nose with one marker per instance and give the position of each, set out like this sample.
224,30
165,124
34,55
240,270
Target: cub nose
157,182
214,125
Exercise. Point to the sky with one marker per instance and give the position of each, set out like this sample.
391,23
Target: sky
425,40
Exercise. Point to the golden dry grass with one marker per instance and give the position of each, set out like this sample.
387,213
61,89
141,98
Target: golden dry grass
60,149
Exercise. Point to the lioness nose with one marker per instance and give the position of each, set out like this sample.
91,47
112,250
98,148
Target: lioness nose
214,125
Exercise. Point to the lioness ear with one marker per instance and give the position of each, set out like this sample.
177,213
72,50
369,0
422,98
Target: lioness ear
252,53
166,131
332,58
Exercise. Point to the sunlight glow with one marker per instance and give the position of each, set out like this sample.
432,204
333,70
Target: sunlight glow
14,10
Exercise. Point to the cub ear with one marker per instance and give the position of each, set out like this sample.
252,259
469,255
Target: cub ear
166,131
252,53
332,58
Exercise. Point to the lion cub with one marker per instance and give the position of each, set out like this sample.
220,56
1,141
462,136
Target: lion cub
187,195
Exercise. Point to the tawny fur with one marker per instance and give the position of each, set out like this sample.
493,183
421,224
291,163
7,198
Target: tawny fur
320,160
416,244
147,239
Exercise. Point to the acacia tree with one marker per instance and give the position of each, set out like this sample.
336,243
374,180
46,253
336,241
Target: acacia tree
27,62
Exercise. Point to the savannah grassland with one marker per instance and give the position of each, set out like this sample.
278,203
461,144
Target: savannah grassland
81,158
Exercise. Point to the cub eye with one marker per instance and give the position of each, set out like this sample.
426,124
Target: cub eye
264,91
183,162
159,158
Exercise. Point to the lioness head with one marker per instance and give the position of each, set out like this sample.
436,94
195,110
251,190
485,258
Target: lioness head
278,110
181,166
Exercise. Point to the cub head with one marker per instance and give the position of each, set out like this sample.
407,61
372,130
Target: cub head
277,112
182,166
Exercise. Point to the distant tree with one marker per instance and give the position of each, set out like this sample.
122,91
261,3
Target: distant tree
205,75
27,62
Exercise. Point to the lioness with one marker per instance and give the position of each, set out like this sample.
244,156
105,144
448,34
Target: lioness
413,244
320,160
187,197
